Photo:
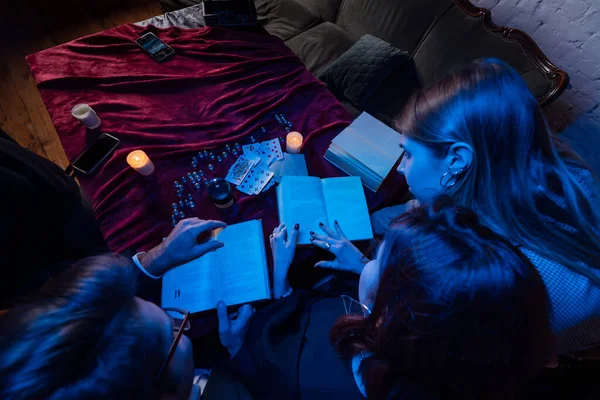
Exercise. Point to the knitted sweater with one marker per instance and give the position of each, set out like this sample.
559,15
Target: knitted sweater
574,299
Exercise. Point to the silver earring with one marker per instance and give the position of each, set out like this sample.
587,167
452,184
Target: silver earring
449,179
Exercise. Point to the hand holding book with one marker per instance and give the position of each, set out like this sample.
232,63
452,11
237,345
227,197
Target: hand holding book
283,247
233,327
236,273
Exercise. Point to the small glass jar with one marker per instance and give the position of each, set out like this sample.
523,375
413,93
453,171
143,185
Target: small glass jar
220,193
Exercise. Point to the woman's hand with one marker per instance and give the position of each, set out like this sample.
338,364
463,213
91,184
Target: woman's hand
283,247
233,327
347,256
190,239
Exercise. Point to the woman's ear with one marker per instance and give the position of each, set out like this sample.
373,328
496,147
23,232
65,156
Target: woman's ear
459,157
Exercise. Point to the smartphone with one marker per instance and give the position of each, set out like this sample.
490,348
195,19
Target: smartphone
156,48
96,153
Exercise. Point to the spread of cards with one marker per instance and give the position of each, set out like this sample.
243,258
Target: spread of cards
251,171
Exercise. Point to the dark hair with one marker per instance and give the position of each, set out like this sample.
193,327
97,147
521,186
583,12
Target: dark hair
457,309
519,167
80,337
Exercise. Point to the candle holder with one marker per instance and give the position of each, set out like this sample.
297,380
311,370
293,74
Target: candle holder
220,193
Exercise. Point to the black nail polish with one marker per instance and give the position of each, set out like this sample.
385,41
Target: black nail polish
312,238
311,233
320,224
297,226
336,222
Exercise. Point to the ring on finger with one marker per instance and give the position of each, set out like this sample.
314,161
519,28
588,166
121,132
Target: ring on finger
327,246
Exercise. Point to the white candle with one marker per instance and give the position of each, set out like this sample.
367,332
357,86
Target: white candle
293,142
86,115
139,161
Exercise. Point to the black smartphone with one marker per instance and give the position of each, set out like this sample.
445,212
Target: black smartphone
96,153
156,48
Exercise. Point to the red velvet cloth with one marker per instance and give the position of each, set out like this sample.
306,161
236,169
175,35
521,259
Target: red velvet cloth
221,87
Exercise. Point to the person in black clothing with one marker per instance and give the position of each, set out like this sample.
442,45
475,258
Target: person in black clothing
447,309
45,221
89,334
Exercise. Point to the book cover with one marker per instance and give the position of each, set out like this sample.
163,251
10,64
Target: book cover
366,148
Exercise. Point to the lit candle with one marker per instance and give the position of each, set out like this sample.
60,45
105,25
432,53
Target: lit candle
86,115
293,142
139,161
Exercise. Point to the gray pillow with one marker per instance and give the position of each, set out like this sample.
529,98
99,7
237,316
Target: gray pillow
358,72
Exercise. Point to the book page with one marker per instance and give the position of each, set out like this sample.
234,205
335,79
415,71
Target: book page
346,203
242,264
236,273
344,161
191,286
300,201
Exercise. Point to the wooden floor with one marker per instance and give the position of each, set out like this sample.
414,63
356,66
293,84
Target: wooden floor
28,26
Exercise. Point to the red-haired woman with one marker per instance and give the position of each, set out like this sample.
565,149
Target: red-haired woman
448,309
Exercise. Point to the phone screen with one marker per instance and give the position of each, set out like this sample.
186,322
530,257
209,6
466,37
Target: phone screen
94,154
158,49
153,45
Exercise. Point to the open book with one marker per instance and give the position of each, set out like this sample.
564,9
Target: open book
367,148
236,273
308,200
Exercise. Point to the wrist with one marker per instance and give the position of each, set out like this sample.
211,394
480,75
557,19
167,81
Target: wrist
358,268
233,350
281,288
280,272
152,262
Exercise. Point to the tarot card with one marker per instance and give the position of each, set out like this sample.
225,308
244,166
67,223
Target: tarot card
262,179
253,148
256,179
273,149
241,168
260,150
270,184
244,187
292,164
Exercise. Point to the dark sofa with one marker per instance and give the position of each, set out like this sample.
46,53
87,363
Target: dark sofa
438,35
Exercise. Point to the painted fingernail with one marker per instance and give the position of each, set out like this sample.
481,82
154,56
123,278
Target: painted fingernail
320,224
312,238
297,226
311,233
336,222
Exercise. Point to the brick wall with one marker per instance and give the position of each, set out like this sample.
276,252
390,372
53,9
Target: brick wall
568,31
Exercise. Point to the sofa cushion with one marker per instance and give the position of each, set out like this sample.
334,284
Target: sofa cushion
318,46
358,72
457,39
327,10
399,22
284,18
387,102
